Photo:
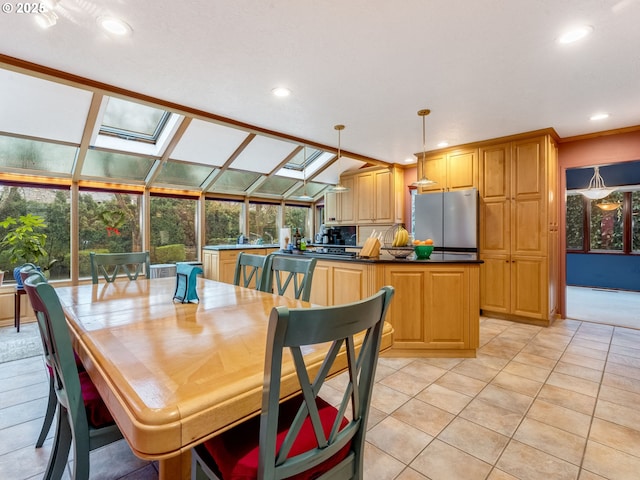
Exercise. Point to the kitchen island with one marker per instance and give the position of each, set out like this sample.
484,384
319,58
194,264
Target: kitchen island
436,308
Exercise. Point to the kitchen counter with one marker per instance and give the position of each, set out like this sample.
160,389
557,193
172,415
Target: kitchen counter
435,311
436,257
240,246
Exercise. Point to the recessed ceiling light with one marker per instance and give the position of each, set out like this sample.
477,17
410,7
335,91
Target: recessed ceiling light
409,160
115,26
575,34
599,116
443,144
281,92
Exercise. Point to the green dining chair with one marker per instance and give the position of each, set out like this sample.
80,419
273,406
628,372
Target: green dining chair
249,270
305,436
83,420
25,271
109,265
281,270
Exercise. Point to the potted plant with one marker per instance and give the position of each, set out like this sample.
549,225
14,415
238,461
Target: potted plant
25,242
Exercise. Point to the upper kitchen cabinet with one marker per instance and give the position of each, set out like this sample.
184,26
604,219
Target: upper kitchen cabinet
376,196
455,169
339,208
518,228
380,197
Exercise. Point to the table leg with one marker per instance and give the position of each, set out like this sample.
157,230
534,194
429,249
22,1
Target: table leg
175,468
16,310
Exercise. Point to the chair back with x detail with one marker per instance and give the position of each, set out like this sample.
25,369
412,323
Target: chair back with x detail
83,420
281,270
249,270
109,265
305,437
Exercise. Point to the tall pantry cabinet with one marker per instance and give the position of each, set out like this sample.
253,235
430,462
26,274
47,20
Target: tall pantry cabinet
519,229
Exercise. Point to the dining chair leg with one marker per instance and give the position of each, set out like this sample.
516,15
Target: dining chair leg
80,470
60,450
48,416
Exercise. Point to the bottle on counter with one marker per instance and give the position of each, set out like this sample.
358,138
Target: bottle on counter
297,239
303,244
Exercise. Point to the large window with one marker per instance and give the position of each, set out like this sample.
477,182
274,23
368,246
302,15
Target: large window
108,223
297,217
173,229
223,220
263,223
607,225
53,206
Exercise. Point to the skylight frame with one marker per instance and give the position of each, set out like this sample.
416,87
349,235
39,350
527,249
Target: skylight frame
305,163
132,135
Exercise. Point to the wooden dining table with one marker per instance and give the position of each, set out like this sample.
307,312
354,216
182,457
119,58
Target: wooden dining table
173,374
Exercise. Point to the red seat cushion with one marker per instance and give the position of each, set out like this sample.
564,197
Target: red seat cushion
97,413
236,451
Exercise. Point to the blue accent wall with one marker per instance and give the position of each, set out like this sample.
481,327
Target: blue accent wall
619,174
621,272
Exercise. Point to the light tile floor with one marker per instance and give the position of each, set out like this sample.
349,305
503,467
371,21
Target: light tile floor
537,403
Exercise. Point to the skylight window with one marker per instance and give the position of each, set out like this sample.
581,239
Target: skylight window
133,121
299,163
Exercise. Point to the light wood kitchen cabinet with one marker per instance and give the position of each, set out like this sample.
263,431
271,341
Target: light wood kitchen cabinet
335,283
518,187
376,197
455,169
434,309
339,208
220,264
380,196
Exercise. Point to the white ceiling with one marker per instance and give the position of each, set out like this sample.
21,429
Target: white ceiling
486,68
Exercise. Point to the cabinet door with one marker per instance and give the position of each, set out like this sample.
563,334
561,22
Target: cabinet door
462,170
434,168
424,316
208,263
350,283
346,201
365,185
495,283
529,294
384,199
454,333
495,202
331,208
227,265
528,186
321,284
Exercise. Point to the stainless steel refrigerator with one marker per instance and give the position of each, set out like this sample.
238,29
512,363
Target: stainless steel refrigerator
449,218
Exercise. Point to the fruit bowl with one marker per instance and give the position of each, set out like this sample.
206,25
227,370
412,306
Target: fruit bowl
423,252
400,252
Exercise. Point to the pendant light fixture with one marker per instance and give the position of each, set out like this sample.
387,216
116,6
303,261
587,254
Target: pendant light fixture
423,181
338,188
304,195
596,189
609,207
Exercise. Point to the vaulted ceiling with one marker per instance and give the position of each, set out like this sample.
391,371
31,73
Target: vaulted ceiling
485,68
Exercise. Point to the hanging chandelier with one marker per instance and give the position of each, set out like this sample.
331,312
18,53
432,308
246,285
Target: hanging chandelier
596,189
423,181
338,188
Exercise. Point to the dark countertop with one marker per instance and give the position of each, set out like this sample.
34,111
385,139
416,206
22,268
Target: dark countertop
242,246
436,257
